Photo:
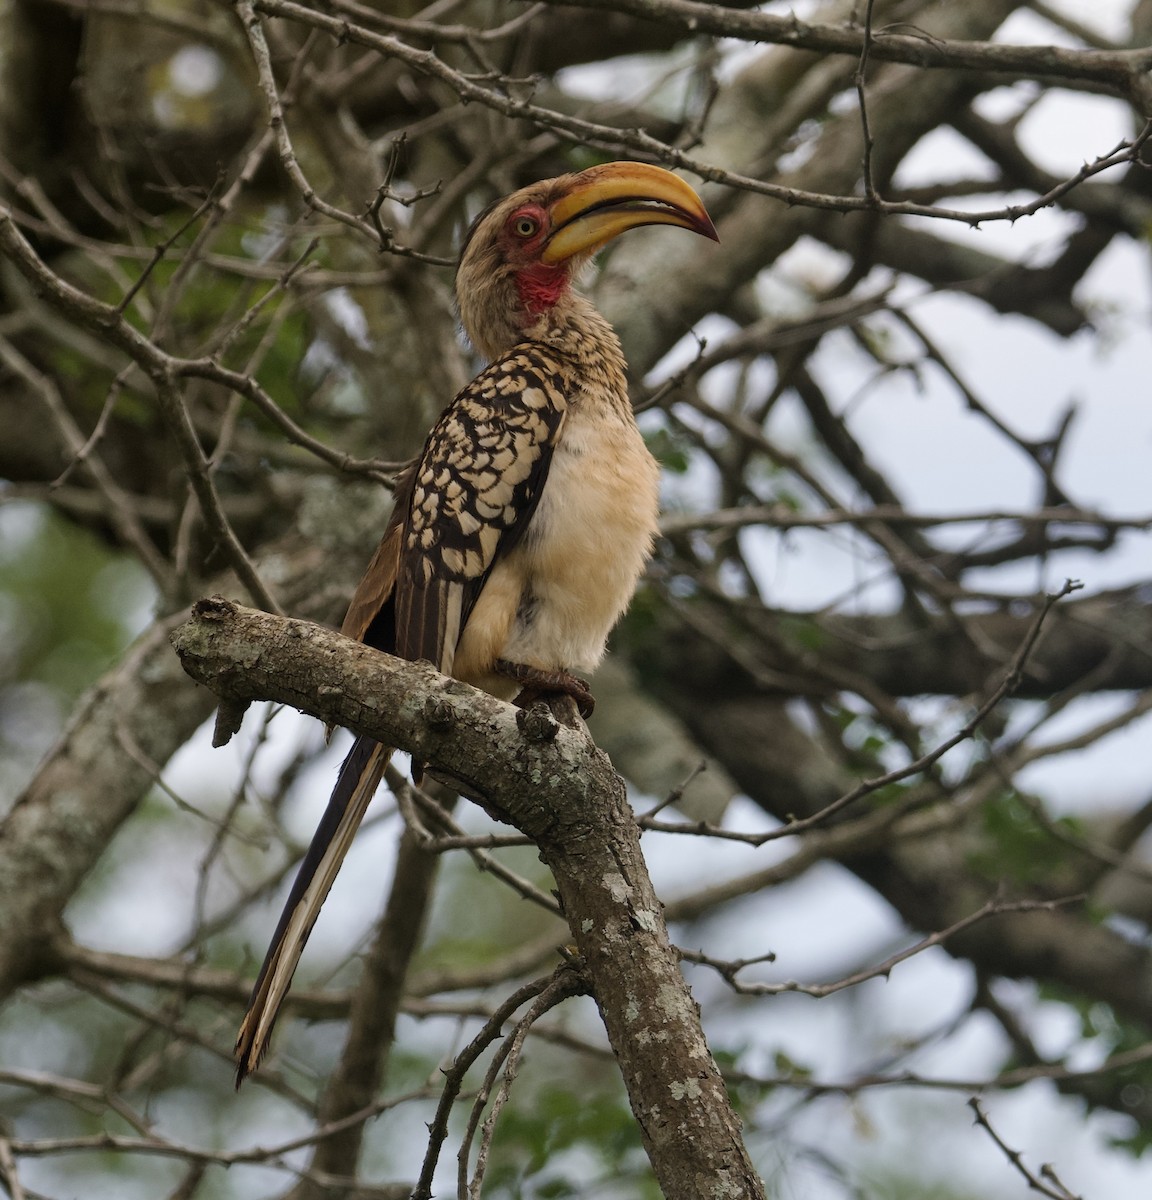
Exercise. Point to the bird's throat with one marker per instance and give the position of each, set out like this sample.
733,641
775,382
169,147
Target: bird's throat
541,286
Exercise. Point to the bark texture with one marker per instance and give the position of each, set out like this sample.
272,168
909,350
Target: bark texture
553,784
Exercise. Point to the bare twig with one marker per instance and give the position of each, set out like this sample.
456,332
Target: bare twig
862,102
9,1176
1053,1188
454,1076
119,507
784,516
729,969
407,796
1006,687
564,984
1120,72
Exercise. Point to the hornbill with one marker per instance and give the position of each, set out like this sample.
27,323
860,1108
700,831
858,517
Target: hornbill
519,534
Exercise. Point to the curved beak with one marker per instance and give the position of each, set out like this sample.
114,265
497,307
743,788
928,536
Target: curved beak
604,201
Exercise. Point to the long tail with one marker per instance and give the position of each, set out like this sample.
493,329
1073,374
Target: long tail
359,777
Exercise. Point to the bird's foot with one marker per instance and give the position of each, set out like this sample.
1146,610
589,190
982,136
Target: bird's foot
537,683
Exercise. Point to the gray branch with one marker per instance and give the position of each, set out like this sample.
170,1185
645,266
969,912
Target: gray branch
556,787
89,785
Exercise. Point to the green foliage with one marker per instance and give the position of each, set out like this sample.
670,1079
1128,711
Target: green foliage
68,604
747,1093
68,607
670,448
866,746
785,1065
1110,1033
264,331
908,1187
476,919
562,1140
805,634
1016,846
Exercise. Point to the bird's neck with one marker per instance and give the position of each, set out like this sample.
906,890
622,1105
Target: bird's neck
541,287
552,313
574,328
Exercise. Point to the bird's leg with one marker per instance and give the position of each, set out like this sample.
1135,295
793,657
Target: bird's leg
536,682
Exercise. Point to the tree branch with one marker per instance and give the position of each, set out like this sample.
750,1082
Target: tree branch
1114,71
89,785
553,784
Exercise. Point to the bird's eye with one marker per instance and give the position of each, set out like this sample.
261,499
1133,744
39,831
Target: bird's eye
526,227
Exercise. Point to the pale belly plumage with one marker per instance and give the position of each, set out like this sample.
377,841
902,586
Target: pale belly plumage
552,601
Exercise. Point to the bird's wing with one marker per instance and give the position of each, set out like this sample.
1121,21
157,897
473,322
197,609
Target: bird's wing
474,491
374,591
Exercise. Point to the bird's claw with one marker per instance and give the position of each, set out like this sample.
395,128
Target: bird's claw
538,683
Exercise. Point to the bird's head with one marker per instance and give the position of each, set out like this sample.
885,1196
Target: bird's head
522,253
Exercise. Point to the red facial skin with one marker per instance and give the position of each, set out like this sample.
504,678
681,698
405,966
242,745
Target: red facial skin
539,284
